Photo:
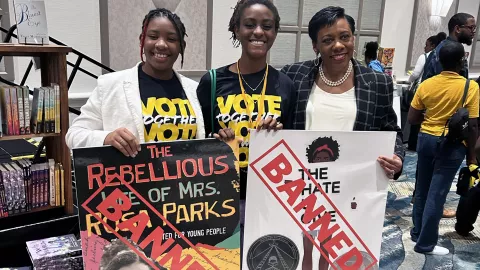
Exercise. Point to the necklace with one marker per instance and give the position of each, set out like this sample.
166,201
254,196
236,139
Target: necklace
253,89
339,82
261,104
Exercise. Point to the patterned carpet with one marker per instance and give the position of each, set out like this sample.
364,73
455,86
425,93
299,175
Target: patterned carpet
397,248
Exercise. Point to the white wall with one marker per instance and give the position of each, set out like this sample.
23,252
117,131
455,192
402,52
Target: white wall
396,28
223,52
77,24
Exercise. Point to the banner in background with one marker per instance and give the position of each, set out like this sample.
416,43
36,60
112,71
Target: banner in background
315,200
174,206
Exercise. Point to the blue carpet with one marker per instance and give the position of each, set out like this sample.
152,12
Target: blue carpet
397,248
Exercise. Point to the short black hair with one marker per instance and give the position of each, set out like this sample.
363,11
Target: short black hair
371,49
458,19
441,36
451,56
331,147
238,12
433,40
176,21
327,17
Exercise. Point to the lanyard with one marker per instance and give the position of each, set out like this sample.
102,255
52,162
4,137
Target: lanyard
261,103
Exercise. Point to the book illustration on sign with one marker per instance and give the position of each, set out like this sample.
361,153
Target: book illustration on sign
174,206
323,149
354,204
273,252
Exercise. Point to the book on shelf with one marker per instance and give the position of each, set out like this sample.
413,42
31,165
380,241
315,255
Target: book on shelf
25,186
61,252
19,117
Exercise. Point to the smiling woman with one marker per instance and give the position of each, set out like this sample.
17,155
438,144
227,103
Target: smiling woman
149,102
248,94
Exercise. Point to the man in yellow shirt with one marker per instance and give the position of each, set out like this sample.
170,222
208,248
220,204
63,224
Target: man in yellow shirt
438,158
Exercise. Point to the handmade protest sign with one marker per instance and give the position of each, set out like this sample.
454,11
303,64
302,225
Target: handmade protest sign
315,200
174,206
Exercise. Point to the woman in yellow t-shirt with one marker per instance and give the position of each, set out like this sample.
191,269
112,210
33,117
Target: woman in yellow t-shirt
438,158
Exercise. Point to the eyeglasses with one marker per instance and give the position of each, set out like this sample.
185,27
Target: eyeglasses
472,28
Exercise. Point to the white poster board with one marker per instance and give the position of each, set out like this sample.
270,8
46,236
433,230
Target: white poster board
287,218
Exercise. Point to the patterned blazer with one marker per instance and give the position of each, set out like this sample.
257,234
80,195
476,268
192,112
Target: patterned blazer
374,93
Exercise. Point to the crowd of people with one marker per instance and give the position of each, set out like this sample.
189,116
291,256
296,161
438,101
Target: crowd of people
332,92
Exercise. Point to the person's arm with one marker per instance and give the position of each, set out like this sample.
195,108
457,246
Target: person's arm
389,122
87,129
473,111
392,166
415,113
418,69
204,97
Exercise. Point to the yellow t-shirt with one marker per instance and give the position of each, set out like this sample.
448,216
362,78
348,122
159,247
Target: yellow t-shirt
441,97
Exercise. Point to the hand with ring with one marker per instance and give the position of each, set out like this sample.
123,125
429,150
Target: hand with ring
391,166
123,140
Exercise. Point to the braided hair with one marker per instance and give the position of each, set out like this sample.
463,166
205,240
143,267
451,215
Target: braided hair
176,21
238,11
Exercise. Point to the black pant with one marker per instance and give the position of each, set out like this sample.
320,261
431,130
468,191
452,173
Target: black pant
467,211
413,137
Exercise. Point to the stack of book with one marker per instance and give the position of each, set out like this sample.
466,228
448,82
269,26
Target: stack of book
63,252
25,186
20,117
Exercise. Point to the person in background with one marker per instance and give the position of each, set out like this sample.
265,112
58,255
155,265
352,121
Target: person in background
126,107
415,79
334,93
438,157
462,28
371,61
430,44
269,94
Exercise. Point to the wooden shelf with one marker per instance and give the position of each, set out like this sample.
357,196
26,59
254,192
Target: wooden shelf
28,136
10,49
41,214
39,209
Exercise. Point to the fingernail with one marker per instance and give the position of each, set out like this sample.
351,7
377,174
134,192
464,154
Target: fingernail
136,153
134,156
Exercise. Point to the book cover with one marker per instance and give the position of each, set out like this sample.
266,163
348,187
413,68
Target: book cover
52,109
7,107
41,111
14,102
62,185
46,250
46,110
57,108
32,28
21,110
57,185
33,117
26,106
21,187
51,175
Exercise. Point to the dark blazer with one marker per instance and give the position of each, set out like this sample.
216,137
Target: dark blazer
374,92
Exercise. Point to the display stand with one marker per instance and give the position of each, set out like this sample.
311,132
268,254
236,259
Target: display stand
15,230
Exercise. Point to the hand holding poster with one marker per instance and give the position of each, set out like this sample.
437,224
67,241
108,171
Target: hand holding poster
173,206
315,200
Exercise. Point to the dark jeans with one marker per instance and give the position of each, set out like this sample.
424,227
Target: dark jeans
437,166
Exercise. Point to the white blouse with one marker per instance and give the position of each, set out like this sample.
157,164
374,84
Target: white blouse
331,112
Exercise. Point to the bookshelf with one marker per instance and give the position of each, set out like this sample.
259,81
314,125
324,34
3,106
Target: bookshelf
53,68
